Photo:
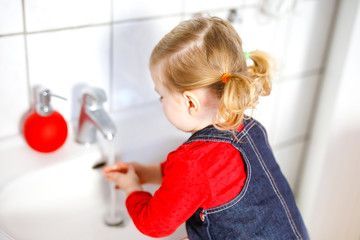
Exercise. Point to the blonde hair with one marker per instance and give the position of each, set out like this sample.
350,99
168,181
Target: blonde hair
196,54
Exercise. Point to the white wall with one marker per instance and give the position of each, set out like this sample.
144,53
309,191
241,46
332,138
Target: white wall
64,44
330,186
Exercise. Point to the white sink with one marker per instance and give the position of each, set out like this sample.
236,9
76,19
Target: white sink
68,199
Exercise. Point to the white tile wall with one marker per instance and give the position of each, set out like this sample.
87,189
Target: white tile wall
266,109
62,60
14,99
296,101
289,160
11,20
296,39
133,44
107,43
206,5
253,27
307,36
43,14
140,9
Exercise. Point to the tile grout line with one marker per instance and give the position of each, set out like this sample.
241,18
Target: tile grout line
290,142
111,57
112,22
299,75
69,28
11,34
26,54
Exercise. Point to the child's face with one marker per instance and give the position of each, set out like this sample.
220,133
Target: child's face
173,103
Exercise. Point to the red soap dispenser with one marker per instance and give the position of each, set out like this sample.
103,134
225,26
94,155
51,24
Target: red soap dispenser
45,130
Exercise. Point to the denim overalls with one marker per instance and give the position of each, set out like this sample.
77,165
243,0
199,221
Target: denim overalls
264,209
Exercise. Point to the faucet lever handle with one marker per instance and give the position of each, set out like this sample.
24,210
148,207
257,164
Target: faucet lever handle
94,95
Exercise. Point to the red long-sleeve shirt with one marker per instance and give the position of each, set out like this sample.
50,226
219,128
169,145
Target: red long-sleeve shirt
199,174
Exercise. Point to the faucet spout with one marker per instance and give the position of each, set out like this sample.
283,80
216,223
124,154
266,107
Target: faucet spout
93,118
102,122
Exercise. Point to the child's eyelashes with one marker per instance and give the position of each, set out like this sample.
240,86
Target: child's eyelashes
161,98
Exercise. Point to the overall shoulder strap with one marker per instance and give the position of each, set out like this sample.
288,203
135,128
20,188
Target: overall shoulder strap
210,133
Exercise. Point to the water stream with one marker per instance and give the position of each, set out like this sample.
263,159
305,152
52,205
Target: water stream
112,216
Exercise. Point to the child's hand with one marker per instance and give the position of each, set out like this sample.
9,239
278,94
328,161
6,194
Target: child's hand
117,167
124,176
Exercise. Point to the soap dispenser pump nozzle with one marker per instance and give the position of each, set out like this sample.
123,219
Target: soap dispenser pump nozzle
43,106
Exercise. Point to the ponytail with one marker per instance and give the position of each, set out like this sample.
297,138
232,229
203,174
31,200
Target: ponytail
242,91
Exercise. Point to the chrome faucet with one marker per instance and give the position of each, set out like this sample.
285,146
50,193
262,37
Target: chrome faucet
93,117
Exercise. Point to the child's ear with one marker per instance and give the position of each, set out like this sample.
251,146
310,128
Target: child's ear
192,101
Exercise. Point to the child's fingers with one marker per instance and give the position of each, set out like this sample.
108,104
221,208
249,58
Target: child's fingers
121,165
132,173
111,179
109,168
116,175
118,167
123,181
112,176
108,176
131,168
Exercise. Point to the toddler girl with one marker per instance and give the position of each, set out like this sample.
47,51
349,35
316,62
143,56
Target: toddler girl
223,181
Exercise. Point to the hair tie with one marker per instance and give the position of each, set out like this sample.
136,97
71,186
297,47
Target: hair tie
224,77
247,55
